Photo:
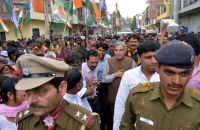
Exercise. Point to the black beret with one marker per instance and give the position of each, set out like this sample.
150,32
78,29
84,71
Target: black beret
177,54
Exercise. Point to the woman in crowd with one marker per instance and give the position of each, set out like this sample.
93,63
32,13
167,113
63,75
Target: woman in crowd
83,44
8,71
12,101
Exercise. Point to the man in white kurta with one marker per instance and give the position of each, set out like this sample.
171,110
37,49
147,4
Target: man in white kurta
142,74
130,79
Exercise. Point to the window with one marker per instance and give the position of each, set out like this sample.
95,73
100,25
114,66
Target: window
36,32
2,36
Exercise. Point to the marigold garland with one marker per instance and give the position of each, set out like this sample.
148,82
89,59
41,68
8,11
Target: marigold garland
146,86
138,63
194,91
129,53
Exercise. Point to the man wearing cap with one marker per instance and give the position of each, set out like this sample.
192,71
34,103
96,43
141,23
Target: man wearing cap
168,104
45,85
4,54
111,48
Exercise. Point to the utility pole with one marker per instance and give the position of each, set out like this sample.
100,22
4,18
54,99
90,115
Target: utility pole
176,8
46,17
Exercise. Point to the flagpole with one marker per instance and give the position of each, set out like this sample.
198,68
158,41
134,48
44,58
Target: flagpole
46,16
67,18
86,27
20,32
23,40
99,19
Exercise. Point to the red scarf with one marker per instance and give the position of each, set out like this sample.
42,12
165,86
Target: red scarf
51,118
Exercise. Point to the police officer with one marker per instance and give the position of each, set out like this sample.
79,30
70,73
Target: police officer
43,81
168,104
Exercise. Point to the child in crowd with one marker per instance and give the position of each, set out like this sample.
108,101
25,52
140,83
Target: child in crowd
12,101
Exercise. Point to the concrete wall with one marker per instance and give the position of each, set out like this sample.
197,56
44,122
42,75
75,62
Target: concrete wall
37,24
58,28
191,21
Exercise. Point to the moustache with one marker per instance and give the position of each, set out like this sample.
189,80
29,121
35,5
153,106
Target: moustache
33,105
176,85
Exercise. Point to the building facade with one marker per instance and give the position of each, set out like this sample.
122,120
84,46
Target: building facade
149,15
188,13
36,26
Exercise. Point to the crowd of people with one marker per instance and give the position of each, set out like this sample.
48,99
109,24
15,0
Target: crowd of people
129,79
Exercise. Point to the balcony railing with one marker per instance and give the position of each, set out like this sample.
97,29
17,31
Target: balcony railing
186,3
163,12
149,22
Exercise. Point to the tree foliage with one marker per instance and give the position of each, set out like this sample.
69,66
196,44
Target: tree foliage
113,23
133,24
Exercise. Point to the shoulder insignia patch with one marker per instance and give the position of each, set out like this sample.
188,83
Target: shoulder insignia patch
195,94
85,117
23,114
144,87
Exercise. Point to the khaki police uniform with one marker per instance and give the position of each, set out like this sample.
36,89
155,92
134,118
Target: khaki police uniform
146,108
72,117
37,71
145,105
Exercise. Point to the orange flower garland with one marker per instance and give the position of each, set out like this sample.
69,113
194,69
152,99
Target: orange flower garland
138,63
194,91
146,86
129,53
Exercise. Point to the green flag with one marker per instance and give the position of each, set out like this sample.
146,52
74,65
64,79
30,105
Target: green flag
88,4
90,19
67,6
13,18
29,13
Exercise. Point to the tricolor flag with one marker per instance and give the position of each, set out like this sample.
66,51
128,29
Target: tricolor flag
20,19
59,16
96,10
118,23
104,13
90,18
67,6
35,6
89,5
92,12
11,10
2,24
75,4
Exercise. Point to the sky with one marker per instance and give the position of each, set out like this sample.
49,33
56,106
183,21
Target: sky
127,8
